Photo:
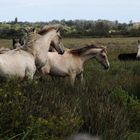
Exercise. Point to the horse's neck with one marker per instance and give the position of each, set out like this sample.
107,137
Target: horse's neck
50,35
44,42
89,54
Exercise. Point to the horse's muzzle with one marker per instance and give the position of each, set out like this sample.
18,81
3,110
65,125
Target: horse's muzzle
61,52
106,67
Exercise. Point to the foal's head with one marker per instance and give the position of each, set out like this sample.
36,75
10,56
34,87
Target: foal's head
138,53
90,51
101,57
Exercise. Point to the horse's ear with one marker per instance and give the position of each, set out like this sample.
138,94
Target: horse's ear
139,41
27,30
32,29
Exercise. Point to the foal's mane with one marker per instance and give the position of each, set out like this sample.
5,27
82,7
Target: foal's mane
80,51
46,29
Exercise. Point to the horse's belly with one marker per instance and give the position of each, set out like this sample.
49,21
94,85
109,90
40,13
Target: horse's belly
8,72
8,69
58,72
16,65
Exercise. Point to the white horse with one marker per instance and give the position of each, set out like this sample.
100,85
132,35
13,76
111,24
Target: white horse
71,63
23,62
138,53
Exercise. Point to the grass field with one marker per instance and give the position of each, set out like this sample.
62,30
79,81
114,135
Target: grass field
50,109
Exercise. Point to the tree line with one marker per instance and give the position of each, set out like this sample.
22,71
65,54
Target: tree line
75,28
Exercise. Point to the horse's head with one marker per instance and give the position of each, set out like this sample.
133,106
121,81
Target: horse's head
16,43
56,43
102,58
56,39
138,53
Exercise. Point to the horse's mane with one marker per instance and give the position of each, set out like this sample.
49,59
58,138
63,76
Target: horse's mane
79,51
46,29
32,36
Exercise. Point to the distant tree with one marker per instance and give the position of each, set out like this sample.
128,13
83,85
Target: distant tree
116,22
101,28
122,26
131,22
16,20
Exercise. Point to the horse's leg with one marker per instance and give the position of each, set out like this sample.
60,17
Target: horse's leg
72,78
81,78
31,76
30,71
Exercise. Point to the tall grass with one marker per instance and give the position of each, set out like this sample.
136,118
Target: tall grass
50,109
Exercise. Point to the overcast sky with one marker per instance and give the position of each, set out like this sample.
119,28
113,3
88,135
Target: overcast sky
46,10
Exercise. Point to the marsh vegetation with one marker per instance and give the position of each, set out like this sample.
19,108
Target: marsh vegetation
108,105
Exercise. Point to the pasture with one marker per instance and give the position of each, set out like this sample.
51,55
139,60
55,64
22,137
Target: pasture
108,105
